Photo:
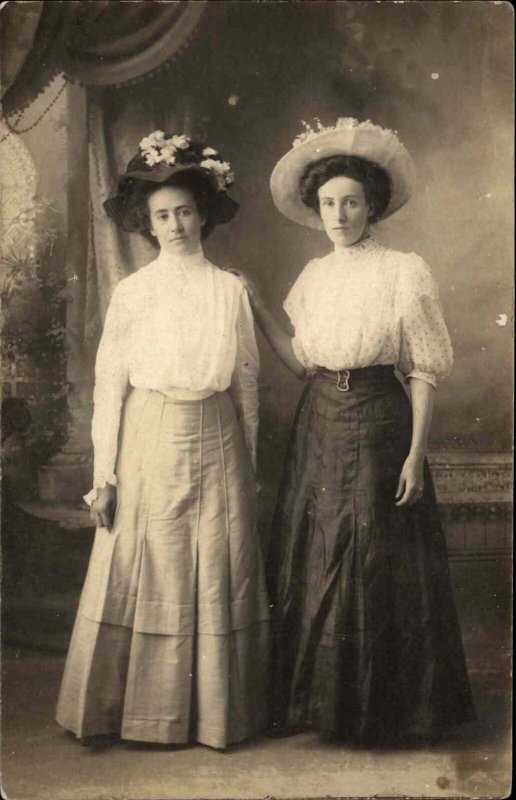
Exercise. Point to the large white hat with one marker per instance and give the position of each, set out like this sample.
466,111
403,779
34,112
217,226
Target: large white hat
348,137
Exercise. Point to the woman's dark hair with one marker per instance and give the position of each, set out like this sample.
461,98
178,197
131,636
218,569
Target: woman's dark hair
137,193
374,179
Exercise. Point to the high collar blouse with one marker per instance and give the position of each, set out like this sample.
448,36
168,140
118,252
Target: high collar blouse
366,305
180,323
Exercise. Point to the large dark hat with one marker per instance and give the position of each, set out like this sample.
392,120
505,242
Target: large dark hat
160,156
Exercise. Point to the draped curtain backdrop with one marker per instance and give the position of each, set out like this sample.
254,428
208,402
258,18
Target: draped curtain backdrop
102,48
247,73
97,44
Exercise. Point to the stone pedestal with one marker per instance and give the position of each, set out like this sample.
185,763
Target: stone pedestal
68,476
64,483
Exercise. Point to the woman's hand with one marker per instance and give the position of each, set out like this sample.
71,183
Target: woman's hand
279,340
255,297
411,482
102,510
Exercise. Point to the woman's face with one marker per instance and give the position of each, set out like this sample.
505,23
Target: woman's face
344,210
175,220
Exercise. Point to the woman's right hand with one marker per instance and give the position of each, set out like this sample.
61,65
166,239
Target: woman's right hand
255,297
280,341
102,510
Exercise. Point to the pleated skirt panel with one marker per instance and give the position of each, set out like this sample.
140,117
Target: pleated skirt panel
171,639
367,643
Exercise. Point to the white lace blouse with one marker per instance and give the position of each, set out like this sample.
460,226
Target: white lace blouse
179,324
367,305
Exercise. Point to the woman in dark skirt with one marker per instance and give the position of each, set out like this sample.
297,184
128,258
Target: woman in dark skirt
367,640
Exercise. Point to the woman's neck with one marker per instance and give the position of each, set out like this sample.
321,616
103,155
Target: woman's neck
344,248
181,256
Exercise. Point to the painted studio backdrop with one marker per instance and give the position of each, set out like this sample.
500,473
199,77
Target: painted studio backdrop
82,83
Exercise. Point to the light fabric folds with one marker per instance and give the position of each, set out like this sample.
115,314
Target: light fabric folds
170,642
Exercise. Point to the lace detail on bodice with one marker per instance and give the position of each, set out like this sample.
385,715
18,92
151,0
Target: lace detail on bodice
367,305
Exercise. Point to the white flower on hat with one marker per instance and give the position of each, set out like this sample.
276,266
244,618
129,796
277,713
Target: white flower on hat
222,170
152,156
180,141
211,163
155,139
158,148
346,123
168,153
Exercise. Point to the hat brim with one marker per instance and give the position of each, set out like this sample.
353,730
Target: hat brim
392,156
223,210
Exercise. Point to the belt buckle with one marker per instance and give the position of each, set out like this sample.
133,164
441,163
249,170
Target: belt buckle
343,380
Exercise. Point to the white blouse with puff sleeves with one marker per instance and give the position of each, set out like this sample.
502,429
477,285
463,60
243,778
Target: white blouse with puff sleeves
367,305
180,324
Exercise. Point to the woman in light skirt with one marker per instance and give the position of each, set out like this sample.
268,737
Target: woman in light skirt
170,642
367,645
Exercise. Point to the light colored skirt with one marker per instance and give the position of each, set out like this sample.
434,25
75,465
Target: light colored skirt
170,643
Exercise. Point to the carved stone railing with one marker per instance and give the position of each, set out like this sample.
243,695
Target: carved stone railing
465,477
474,491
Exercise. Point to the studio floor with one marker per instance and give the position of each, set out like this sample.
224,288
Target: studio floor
42,761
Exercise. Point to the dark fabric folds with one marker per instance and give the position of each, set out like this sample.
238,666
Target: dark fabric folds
367,640
101,43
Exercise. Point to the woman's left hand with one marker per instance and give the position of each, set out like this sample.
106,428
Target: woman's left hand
411,482
254,295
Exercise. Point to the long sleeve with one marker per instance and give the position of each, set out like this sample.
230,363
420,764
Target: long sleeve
425,349
111,382
244,382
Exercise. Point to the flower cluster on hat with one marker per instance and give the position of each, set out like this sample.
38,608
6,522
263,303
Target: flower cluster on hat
343,123
221,169
179,150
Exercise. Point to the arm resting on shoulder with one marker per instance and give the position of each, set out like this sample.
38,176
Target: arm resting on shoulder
278,338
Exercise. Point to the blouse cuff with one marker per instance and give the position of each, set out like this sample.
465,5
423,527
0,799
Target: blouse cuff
423,376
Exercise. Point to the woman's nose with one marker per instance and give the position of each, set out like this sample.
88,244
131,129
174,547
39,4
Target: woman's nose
176,223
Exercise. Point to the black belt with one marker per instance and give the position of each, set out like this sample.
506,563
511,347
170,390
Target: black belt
343,377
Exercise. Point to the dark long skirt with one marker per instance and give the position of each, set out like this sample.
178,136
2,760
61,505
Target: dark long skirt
367,641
